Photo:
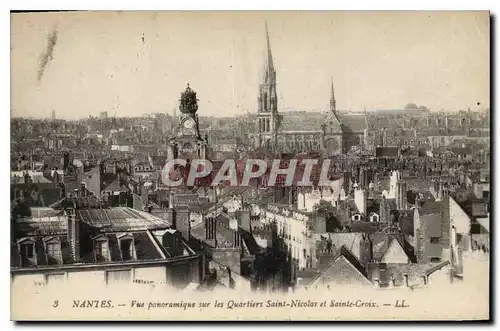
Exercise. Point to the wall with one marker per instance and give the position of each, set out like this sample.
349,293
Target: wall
459,218
96,278
294,232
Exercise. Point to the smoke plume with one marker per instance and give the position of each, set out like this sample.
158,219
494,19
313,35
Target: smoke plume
47,55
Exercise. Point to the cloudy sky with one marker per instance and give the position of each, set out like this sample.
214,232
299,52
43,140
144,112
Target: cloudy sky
131,63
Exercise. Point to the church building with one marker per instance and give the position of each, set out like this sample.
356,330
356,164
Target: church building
269,135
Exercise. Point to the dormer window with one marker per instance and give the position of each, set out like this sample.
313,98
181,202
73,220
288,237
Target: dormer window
127,249
27,251
53,250
101,249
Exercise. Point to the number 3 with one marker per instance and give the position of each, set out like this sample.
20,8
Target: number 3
56,303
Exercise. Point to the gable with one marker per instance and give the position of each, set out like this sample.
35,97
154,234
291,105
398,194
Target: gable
341,272
332,124
395,254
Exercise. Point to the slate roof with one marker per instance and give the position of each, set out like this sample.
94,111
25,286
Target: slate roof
121,219
111,224
77,202
345,276
364,227
144,246
381,242
430,207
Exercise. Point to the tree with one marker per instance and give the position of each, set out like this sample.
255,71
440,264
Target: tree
411,106
423,108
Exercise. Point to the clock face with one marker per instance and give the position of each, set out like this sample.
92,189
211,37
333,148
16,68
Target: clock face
188,124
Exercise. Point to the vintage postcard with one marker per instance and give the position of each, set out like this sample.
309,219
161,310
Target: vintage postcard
250,166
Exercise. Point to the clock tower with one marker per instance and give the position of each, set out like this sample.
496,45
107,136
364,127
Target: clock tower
187,142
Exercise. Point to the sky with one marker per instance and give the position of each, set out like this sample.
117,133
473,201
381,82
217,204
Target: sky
132,63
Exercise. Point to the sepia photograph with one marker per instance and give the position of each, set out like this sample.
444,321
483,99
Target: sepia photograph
250,165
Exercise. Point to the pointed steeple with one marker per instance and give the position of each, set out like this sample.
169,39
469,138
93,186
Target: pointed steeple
333,102
367,123
269,74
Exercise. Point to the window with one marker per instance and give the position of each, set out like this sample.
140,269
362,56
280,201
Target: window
126,248
118,276
434,240
53,251
28,250
101,251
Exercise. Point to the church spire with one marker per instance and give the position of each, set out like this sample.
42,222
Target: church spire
270,74
367,123
333,102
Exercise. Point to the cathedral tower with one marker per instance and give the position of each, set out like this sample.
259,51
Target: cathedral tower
267,113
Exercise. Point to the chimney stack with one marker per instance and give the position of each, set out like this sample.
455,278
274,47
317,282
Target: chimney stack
210,229
401,198
74,233
360,200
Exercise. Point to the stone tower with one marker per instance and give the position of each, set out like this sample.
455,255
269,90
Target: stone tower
331,143
267,113
187,142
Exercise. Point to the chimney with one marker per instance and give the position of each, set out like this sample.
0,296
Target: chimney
62,191
445,191
401,195
440,191
418,200
74,233
210,229
360,200
207,232
237,238
290,196
366,250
